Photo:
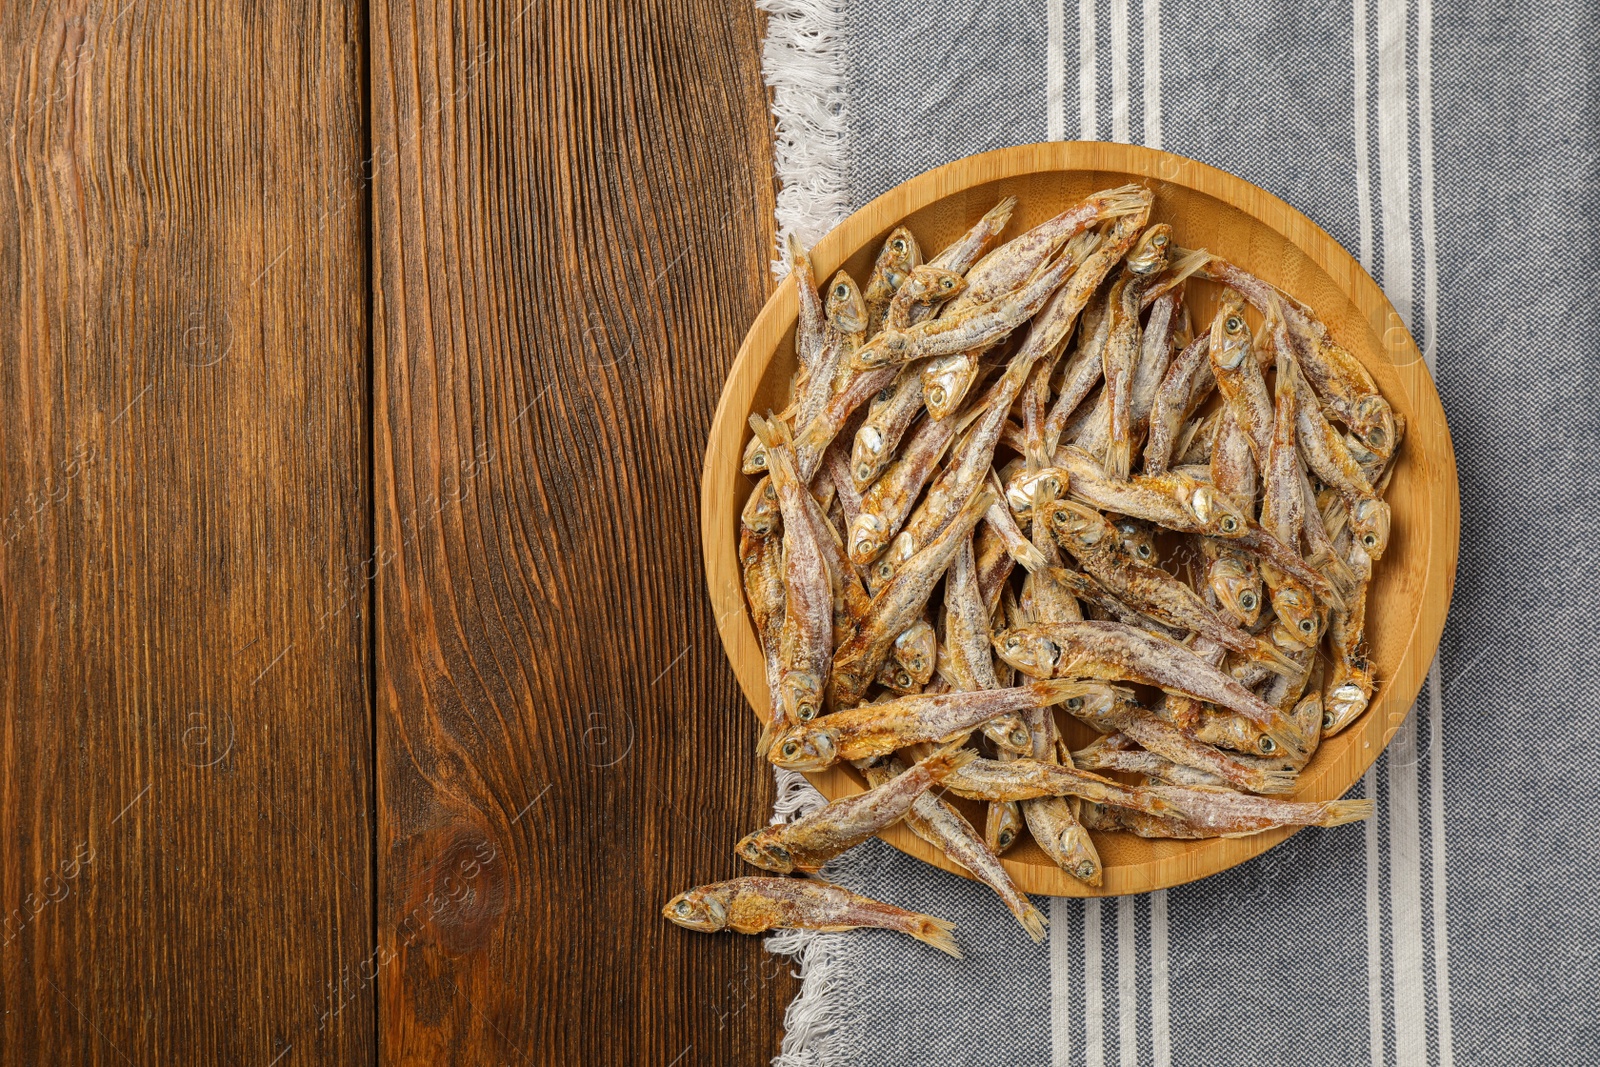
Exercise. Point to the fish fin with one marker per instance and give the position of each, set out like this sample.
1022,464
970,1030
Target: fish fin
769,734
936,932
1274,659
1339,812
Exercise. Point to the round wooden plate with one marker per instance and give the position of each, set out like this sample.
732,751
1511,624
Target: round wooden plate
1207,209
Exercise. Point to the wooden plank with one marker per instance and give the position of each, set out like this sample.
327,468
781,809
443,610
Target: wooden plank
185,739
572,210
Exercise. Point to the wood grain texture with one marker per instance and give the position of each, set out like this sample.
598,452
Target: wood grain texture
185,845
1208,209
572,212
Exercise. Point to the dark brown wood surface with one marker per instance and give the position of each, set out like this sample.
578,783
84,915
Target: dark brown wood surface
186,746
572,232
361,697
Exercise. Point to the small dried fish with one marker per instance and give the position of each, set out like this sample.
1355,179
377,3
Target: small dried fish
814,839
756,905
879,729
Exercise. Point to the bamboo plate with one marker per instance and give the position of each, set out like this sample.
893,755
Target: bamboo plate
1208,209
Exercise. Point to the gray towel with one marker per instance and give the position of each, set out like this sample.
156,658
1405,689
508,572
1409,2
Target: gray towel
1453,151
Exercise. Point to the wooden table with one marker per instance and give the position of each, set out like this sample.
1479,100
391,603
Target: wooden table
361,693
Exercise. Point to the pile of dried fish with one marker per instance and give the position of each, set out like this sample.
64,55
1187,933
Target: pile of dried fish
966,535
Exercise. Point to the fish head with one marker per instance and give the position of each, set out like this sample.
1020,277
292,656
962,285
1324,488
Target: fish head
1369,520
1296,628
702,909
898,256
1028,651
1079,527
1149,256
1237,585
929,284
904,547
1027,489
867,455
762,849
806,748
761,515
1373,422
1097,703
845,307
1348,698
868,534
916,650
896,679
1138,537
882,349
802,695
1230,332
1212,510
754,462
947,383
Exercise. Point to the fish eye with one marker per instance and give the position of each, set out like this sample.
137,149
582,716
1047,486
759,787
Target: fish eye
683,907
1085,870
1144,551
1247,601
898,244
1234,324
1013,644
863,546
758,460
1370,540
1006,837
1307,626
1267,745
1375,437
903,680
946,283
806,712
936,396
1063,516
841,291
1229,524
1019,738
1327,720
885,571
864,471
1159,240
1075,704
790,749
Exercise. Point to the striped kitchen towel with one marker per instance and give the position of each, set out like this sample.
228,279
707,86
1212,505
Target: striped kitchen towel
1453,151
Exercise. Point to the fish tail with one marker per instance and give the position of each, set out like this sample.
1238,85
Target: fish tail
935,932
1000,214
1032,920
1123,200
949,759
1339,812
1032,559
763,429
1119,457
1057,690
1271,783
